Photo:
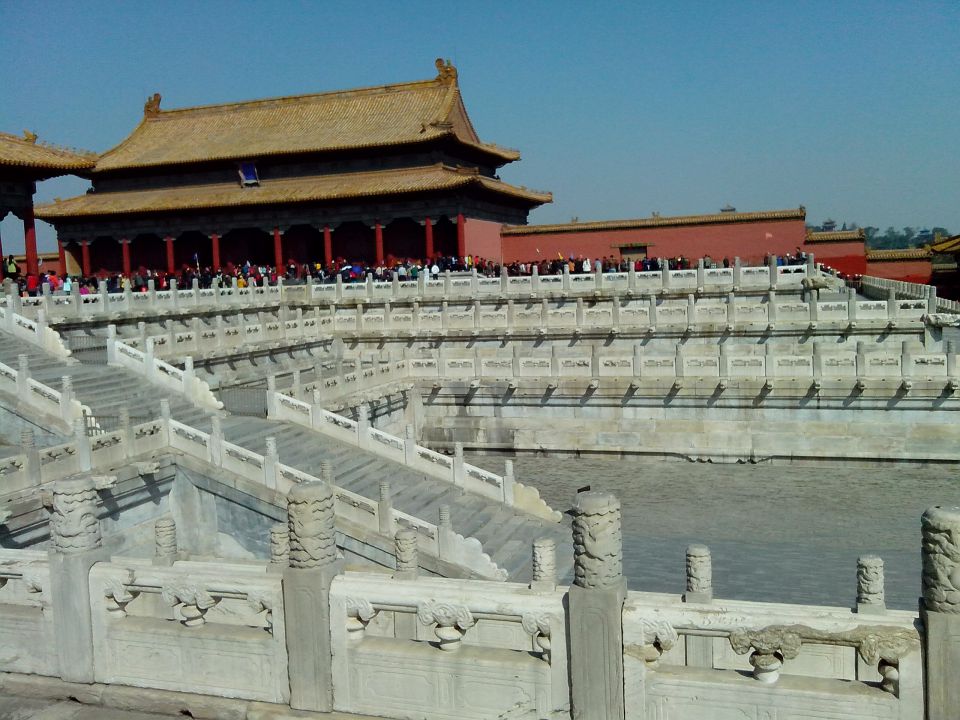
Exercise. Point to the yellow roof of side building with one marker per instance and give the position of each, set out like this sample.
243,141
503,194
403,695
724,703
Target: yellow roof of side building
836,236
289,190
381,116
658,221
26,152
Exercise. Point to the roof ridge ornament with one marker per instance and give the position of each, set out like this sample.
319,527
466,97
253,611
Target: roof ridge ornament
152,105
445,70
30,137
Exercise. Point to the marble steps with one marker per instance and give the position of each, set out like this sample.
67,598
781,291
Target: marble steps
507,534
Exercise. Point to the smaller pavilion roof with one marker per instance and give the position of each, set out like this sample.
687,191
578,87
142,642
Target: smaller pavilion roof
48,160
836,236
658,221
320,188
373,117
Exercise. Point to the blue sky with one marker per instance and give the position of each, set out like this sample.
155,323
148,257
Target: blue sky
621,109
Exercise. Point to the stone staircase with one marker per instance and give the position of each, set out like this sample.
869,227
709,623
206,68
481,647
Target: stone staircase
506,535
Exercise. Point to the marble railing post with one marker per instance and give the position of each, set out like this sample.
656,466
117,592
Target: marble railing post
595,609
940,610
459,472
509,481
737,274
188,379
544,565
385,509
652,312
271,395
75,545
409,444
126,435
216,441
771,309
306,595
893,309
851,307
165,541
664,276
363,426
870,585
28,446
701,275
931,299
731,310
565,283
23,376
67,409
271,464
772,270
84,460
408,562
699,589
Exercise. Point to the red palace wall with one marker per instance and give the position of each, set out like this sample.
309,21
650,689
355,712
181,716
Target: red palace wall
750,241
848,257
482,239
914,271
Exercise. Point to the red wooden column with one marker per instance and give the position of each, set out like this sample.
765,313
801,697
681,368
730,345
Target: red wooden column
171,264
85,257
378,236
428,232
125,249
30,242
278,249
461,236
215,249
63,257
327,245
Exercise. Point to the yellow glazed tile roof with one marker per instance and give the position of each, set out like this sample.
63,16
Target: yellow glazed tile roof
894,254
947,245
291,190
351,119
26,152
836,236
658,221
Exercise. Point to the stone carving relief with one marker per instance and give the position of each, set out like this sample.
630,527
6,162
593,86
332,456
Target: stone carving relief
452,622
770,646
311,522
118,595
280,544
538,625
597,542
74,526
656,638
359,613
191,601
262,606
941,559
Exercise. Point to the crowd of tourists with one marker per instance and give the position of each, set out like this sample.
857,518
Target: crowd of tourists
259,275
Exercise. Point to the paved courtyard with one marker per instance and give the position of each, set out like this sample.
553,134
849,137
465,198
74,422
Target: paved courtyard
787,534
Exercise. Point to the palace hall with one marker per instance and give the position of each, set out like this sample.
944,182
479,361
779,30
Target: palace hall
367,175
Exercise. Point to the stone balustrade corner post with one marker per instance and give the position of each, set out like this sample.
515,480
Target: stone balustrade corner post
595,602
313,564
940,610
